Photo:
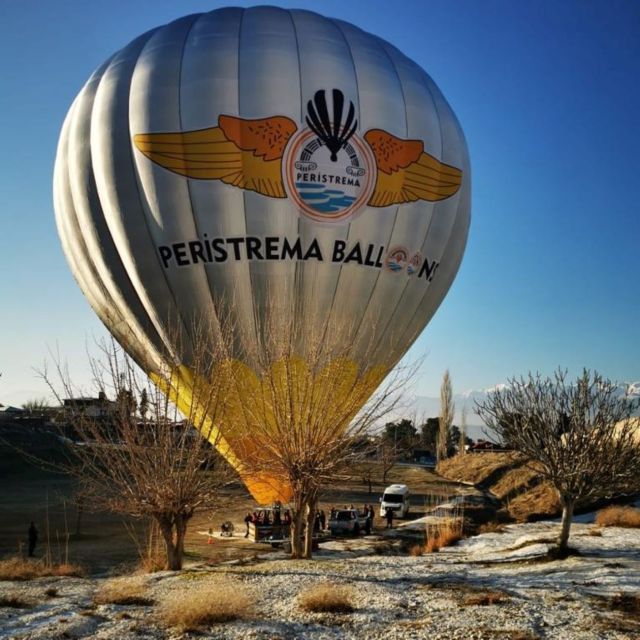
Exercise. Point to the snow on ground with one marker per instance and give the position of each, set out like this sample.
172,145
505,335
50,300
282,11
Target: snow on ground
396,596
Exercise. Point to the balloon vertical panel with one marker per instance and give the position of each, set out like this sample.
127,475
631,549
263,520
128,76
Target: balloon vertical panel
387,306
381,107
208,88
268,85
135,328
119,193
155,107
325,64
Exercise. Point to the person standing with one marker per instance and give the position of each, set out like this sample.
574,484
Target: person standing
33,538
372,514
247,520
388,514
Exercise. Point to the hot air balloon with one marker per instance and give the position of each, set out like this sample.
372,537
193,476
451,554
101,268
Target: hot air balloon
241,160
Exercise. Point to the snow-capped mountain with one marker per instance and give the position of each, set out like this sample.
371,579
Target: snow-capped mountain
426,406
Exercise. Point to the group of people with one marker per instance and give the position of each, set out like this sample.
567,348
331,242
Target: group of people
279,517
367,512
268,517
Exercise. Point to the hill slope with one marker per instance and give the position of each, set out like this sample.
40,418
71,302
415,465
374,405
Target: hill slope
510,478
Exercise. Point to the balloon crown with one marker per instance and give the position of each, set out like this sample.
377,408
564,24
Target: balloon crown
334,134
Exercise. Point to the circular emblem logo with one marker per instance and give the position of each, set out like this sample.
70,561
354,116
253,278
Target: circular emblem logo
325,185
396,259
414,263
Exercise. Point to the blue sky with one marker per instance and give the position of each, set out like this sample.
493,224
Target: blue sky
548,97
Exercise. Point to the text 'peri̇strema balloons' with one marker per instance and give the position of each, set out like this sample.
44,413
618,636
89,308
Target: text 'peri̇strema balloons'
259,154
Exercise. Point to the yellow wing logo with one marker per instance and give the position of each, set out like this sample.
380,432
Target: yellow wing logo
242,153
406,173
329,172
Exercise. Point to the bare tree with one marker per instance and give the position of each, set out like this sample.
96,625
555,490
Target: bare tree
462,446
388,455
301,414
447,409
578,435
36,405
156,467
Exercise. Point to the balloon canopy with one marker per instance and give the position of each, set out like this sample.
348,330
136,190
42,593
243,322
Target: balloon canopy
262,158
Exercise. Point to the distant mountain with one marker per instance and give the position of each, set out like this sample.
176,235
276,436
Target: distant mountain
426,406
634,390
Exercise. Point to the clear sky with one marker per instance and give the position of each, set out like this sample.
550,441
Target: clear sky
548,94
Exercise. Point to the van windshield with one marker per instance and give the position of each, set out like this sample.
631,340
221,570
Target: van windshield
394,498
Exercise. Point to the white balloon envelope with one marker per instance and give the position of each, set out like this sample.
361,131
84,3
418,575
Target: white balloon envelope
251,159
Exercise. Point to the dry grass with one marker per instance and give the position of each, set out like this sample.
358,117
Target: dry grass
596,533
613,516
485,599
515,480
153,562
67,570
542,500
627,602
444,532
491,527
416,550
18,568
203,605
327,597
622,614
14,601
123,591
477,467
509,634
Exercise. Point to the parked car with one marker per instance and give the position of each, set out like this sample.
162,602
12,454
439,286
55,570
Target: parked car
349,521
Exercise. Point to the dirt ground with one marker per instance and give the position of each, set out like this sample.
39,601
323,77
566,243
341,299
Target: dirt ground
107,543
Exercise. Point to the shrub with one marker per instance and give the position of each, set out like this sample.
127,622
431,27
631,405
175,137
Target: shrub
486,599
67,570
14,600
619,517
416,550
443,534
18,568
200,606
627,602
123,591
491,527
153,562
327,598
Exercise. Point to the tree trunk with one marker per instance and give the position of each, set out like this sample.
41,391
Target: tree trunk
181,530
568,505
312,506
174,548
79,514
296,531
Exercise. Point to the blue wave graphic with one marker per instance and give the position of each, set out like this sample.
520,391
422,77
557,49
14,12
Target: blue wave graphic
322,199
